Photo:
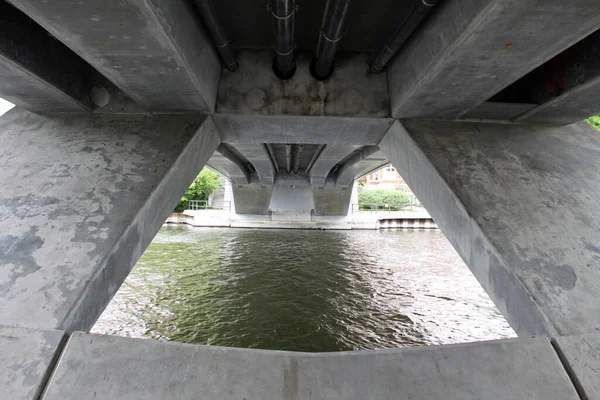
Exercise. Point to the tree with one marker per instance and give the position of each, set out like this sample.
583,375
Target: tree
369,198
203,185
594,121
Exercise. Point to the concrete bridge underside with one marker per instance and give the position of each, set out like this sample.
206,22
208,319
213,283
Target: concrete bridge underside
120,104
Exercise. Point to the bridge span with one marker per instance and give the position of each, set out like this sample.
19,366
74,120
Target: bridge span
479,104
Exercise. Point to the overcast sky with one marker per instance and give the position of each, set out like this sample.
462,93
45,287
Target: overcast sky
5,106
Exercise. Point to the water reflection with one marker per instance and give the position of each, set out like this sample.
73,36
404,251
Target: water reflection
303,291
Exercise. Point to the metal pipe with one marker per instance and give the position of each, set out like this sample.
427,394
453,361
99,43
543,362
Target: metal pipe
298,158
288,158
282,12
404,31
211,20
332,31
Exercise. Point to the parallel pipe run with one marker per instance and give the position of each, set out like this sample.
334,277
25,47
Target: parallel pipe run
298,158
284,63
288,158
332,31
404,31
211,19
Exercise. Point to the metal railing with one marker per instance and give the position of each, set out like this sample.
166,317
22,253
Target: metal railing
203,205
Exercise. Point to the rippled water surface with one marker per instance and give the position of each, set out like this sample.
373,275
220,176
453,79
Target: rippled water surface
302,290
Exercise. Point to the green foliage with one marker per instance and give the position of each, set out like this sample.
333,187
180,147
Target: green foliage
203,185
395,199
594,121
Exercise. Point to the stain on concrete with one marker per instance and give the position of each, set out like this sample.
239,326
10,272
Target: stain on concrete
18,252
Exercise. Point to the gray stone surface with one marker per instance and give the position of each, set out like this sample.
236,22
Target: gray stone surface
519,203
156,51
27,357
464,53
81,196
351,92
301,129
581,355
105,367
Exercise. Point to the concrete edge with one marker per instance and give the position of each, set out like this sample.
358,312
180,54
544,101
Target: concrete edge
569,369
411,153
137,235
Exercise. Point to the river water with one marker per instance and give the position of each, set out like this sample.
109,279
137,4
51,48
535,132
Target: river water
303,291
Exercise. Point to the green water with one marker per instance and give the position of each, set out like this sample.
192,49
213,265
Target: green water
303,291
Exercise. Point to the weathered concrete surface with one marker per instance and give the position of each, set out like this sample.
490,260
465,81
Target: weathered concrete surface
306,130
519,203
464,54
581,356
351,92
156,51
252,199
81,196
106,367
332,201
27,357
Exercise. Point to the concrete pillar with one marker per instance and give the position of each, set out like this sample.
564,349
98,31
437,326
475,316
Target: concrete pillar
81,196
252,199
520,205
332,200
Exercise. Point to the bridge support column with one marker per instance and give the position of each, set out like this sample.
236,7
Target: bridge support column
81,196
252,199
520,205
332,201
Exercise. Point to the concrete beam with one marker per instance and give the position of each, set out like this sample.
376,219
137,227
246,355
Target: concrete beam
111,367
332,201
581,356
156,51
258,156
28,358
350,92
252,199
81,196
519,203
236,172
370,158
37,72
330,156
464,48
236,129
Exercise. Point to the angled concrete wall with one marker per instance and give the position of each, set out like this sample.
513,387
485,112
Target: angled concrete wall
520,205
81,196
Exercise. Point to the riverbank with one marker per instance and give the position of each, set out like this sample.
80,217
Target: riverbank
358,220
